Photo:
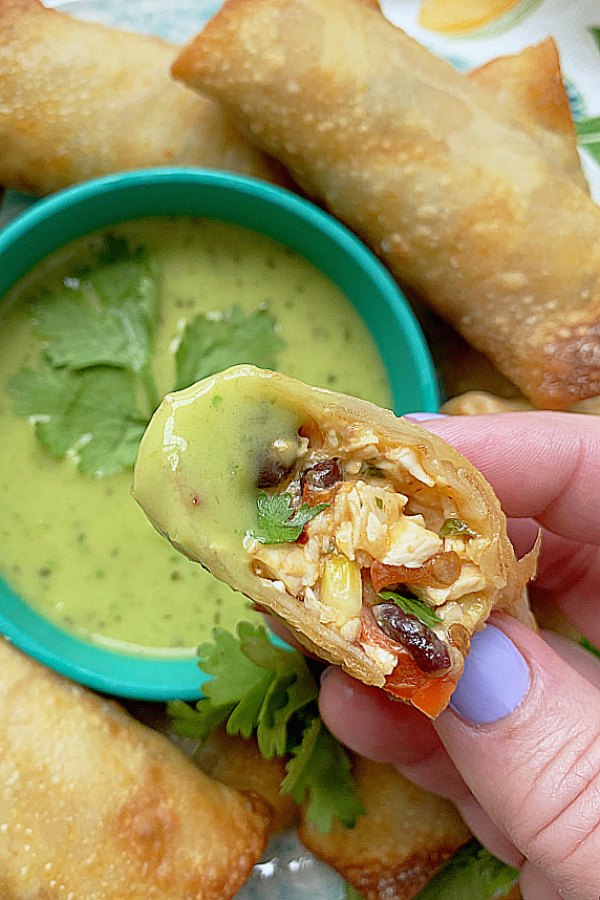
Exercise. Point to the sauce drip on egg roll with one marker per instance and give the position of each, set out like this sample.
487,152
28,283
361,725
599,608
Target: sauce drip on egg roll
462,201
380,546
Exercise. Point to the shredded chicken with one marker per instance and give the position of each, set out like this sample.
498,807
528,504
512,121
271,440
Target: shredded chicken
369,518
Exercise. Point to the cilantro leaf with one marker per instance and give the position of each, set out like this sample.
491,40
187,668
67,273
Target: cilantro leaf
81,334
107,318
588,136
413,607
452,527
587,645
91,415
126,273
262,690
264,684
472,872
199,722
320,767
278,522
210,344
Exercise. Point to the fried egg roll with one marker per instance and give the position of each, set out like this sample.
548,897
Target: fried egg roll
95,805
238,763
79,100
378,544
402,839
460,200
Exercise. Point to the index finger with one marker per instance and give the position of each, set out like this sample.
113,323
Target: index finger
543,465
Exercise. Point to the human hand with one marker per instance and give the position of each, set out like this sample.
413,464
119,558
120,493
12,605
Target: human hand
519,751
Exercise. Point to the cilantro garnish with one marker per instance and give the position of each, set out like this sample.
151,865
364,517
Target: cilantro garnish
261,690
278,521
210,344
350,893
587,645
106,317
472,872
91,414
413,607
320,768
456,527
98,329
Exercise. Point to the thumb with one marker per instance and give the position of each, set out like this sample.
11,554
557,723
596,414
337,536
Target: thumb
524,732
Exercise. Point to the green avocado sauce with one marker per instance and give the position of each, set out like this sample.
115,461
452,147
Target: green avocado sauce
78,548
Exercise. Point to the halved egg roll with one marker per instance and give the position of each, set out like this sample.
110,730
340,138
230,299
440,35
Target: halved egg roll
461,201
79,100
379,545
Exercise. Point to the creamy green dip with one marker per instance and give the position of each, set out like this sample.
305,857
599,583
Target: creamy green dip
78,548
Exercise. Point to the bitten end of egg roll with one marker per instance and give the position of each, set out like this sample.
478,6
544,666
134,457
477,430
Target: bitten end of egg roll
380,546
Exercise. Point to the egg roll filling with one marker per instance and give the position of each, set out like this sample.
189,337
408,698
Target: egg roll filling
383,558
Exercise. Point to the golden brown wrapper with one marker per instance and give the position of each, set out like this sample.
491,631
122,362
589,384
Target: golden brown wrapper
458,198
473,403
162,490
79,100
530,84
95,805
237,762
403,838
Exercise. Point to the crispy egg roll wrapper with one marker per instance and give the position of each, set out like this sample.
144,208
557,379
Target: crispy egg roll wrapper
238,763
402,839
79,100
473,403
196,478
460,200
531,86
94,804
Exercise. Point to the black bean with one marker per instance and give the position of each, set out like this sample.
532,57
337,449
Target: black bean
272,472
429,653
322,475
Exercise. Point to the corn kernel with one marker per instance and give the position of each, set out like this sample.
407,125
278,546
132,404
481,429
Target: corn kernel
341,587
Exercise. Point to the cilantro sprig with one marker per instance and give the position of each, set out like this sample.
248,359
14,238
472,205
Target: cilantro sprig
320,769
106,316
99,330
413,607
278,521
259,690
472,872
212,343
91,415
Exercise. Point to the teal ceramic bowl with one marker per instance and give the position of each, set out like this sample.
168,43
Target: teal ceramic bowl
281,215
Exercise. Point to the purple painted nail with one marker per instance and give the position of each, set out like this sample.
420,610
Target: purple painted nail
495,680
423,416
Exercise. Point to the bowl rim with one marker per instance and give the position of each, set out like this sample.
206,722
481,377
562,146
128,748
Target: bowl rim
156,677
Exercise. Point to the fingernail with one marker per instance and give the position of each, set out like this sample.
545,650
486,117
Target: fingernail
326,673
495,680
423,416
